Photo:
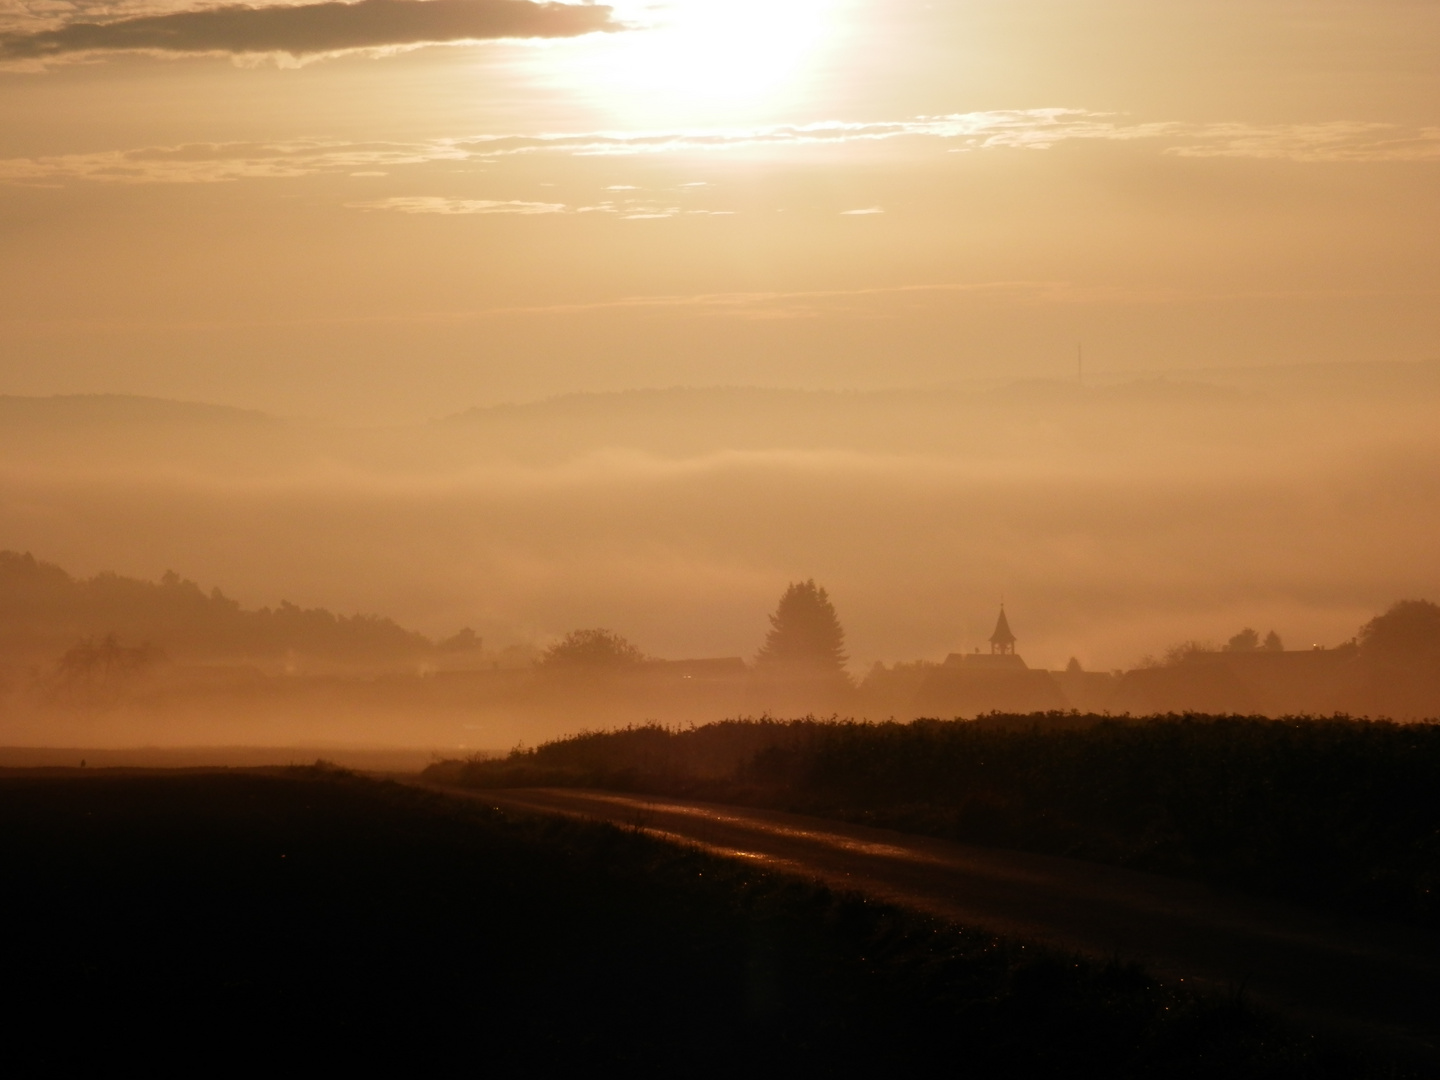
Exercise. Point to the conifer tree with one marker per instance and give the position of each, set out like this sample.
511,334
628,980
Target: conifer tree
805,633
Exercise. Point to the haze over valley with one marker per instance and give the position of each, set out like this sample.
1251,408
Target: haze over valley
530,318
1116,518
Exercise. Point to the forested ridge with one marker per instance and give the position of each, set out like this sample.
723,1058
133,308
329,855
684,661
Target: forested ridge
45,610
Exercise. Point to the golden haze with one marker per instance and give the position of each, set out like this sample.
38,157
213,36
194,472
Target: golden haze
629,316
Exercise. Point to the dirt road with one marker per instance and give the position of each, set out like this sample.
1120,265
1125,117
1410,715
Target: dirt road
1375,981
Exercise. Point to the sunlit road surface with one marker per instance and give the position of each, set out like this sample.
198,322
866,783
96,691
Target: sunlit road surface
1373,980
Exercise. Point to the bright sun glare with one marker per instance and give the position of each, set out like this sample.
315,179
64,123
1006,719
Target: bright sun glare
699,55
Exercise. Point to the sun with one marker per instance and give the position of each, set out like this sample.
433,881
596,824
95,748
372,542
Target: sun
718,50
699,57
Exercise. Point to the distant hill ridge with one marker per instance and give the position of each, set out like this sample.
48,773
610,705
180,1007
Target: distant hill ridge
44,610
1156,422
123,409
1199,385
648,400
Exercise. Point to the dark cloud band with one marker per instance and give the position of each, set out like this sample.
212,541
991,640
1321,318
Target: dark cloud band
309,29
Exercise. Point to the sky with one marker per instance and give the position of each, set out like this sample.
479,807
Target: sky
361,212
362,219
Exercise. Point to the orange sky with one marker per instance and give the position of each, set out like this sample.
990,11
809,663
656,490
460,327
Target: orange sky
880,194
360,215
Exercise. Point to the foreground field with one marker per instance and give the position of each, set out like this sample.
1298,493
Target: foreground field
309,916
1378,984
1339,815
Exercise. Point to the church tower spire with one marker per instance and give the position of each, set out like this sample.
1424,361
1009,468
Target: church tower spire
1002,641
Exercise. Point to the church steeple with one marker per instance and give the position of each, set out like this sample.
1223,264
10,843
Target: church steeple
1002,641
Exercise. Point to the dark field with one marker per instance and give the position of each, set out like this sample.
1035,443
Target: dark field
313,918
1338,814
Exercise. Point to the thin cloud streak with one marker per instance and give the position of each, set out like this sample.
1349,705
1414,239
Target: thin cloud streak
632,209
1034,129
208,163
1024,129
1337,141
312,29
430,204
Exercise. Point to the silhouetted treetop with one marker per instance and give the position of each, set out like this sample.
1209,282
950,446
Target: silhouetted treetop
592,649
1410,630
804,632
1246,640
1184,653
465,640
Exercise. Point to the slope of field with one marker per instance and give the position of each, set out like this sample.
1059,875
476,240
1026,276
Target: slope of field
313,919
1378,983
1337,814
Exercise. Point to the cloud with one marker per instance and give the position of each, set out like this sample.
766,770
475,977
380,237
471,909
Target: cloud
1010,129
433,204
192,163
1336,141
439,204
1027,129
312,29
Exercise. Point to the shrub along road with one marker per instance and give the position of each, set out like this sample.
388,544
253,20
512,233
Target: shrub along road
1380,982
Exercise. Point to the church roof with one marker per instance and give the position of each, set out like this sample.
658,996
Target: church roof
1002,634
